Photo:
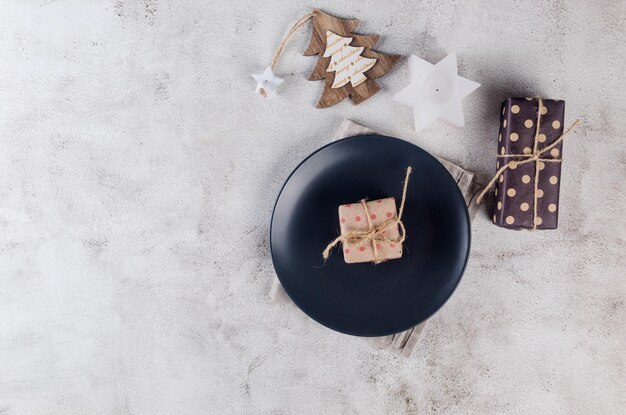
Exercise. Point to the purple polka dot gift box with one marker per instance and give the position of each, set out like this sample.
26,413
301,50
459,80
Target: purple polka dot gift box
529,163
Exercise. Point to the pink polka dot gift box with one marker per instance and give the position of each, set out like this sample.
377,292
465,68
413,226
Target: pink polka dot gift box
363,216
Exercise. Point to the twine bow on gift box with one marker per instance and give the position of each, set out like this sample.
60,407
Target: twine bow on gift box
535,156
374,233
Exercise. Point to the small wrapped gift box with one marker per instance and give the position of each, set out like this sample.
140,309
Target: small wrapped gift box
365,216
529,163
371,231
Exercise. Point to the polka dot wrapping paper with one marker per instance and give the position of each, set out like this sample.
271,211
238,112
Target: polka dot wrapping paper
353,217
515,196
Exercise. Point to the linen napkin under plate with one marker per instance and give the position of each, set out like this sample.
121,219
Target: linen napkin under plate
404,342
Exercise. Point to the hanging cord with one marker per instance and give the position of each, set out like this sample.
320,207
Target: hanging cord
296,26
279,51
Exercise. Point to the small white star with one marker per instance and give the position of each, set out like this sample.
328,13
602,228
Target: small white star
435,91
267,82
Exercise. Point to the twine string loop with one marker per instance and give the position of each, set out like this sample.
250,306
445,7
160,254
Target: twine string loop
279,50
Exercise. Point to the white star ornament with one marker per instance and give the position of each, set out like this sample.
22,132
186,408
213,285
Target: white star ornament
267,82
435,91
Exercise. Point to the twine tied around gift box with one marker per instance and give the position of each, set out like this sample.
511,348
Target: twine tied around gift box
535,156
374,233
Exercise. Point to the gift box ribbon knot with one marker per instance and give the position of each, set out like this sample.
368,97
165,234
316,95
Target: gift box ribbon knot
374,233
535,157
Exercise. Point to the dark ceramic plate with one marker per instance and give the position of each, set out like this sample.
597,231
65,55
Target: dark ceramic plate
367,299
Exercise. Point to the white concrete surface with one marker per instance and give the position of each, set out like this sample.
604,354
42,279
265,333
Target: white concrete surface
137,176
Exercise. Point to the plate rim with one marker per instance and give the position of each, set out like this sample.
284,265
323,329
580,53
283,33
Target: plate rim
458,192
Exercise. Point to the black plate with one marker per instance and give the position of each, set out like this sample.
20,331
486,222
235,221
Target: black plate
367,299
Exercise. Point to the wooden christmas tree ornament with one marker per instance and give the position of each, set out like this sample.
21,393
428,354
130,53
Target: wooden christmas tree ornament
346,61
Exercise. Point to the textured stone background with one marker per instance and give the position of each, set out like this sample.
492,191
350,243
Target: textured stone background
137,176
